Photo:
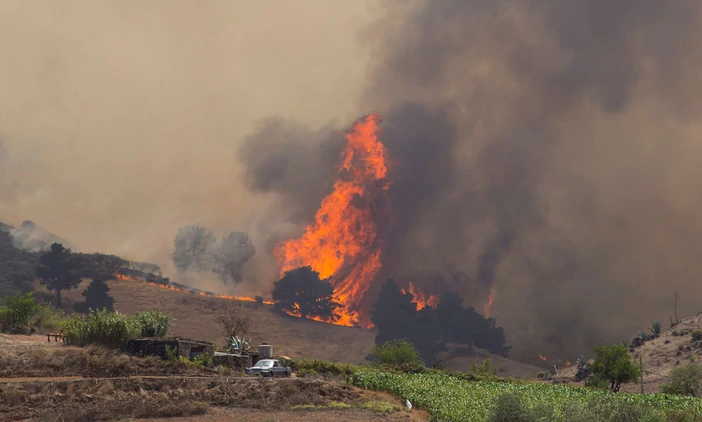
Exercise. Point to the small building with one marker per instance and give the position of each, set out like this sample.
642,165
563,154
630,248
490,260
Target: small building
179,346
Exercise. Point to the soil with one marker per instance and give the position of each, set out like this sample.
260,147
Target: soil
195,398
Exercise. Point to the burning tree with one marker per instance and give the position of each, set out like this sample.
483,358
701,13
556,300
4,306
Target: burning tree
431,328
302,293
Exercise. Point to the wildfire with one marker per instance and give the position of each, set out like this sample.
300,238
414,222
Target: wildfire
420,299
343,243
542,357
194,291
487,309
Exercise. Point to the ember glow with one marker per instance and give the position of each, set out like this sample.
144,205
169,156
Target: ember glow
487,309
343,243
193,291
420,299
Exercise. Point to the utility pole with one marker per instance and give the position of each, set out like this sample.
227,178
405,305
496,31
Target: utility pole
676,320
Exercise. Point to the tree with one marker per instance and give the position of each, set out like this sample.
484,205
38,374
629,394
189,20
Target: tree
236,326
302,293
614,365
57,270
192,248
230,255
96,297
17,313
686,380
17,267
399,354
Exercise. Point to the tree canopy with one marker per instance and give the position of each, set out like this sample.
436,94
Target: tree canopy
301,292
58,270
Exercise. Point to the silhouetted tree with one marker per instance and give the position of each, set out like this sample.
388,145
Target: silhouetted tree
303,293
57,270
96,297
192,248
17,267
430,329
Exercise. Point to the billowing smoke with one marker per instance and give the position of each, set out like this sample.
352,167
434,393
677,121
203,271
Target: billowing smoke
546,149
31,237
197,249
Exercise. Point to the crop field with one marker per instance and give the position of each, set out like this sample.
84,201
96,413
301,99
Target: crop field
449,398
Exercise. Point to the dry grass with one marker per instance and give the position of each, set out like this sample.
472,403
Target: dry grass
86,362
88,400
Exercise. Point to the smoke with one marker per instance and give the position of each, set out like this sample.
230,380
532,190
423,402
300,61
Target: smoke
30,237
198,250
547,149
121,121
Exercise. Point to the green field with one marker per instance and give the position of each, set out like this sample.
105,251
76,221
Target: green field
450,398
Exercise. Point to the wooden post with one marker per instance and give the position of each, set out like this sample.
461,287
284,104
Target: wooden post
677,320
642,370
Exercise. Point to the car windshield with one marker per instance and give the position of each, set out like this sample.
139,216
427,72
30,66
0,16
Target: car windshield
264,364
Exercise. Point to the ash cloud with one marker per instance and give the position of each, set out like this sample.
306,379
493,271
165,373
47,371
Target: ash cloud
548,148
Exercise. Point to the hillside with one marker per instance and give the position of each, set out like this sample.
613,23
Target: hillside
673,348
196,317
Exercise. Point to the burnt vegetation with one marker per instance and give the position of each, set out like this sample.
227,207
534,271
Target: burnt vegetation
431,330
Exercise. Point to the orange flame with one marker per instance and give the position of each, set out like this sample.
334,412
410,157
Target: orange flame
487,309
420,299
193,292
343,243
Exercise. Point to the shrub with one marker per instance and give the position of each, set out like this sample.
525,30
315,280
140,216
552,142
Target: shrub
398,354
656,329
313,367
18,312
152,323
510,408
613,364
110,329
48,319
697,335
686,380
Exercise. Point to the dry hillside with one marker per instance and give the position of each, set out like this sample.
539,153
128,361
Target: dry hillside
196,317
673,348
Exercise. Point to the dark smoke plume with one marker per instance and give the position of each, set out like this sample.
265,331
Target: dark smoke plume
547,148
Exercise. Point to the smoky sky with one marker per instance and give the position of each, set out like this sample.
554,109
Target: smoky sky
546,148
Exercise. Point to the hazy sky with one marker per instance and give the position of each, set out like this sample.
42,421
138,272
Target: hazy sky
120,120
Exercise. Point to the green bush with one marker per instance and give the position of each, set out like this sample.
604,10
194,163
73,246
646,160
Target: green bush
697,335
686,380
510,407
17,313
656,329
48,319
613,364
110,329
152,323
313,367
398,354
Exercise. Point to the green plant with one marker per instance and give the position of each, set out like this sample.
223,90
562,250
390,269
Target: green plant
18,312
483,369
449,398
686,380
697,335
48,319
398,354
510,408
613,364
656,329
110,329
152,323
